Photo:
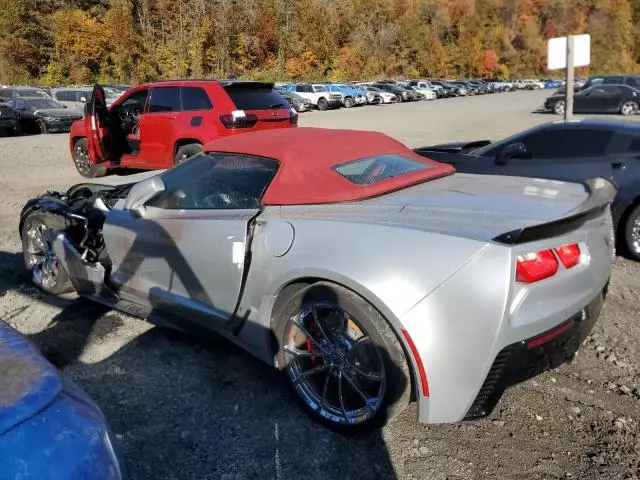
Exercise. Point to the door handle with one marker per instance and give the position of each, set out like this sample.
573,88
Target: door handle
171,118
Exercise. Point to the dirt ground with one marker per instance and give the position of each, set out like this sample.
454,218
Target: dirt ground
190,408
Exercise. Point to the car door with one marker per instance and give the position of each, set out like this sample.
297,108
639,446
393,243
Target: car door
186,252
97,123
624,156
159,126
593,100
612,98
566,153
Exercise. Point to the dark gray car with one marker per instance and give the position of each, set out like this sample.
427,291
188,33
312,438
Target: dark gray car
44,114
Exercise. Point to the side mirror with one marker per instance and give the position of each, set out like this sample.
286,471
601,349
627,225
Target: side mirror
141,193
514,151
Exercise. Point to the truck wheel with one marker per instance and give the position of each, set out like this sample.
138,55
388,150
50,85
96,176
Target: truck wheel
83,163
187,151
323,104
348,102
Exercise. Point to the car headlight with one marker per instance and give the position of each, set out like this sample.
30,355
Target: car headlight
51,119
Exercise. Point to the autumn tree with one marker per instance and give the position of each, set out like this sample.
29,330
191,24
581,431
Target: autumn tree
57,41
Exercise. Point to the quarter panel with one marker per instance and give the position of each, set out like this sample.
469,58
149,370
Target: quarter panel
391,267
455,330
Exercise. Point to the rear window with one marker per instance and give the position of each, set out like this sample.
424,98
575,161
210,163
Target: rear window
371,170
195,98
255,98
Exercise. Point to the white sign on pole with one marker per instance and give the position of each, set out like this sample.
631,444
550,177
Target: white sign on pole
557,52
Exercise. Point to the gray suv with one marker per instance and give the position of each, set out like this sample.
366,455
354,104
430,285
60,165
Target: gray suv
72,97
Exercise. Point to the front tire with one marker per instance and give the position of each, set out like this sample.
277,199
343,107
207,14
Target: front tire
344,363
348,102
322,104
83,163
632,234
187,151
42,127
628,108
559,107
45,268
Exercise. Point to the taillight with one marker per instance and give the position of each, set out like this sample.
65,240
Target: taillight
293,117
533,267
569,254
239,121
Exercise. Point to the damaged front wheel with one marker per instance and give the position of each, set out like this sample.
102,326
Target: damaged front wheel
39,257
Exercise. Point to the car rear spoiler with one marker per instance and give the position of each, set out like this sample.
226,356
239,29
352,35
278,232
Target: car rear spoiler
458,147
601,194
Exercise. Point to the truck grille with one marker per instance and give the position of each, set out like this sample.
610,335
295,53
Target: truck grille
335,96
7,112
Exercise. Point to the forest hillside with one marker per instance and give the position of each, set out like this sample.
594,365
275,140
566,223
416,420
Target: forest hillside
82,41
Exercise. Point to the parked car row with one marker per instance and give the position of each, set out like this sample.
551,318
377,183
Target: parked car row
324,96
25,109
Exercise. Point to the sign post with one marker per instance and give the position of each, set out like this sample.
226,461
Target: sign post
568,106
568,53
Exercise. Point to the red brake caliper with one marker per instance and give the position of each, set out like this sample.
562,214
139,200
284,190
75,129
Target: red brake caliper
311,347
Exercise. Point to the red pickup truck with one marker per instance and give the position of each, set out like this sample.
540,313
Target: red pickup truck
157,125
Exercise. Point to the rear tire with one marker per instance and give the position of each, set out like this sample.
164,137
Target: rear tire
366,341
187,151
83,163
629,108
323,104
632,234
45,269
42,127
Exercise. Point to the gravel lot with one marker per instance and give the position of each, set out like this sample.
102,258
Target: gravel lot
188,408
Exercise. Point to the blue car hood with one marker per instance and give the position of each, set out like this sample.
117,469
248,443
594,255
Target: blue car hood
28,383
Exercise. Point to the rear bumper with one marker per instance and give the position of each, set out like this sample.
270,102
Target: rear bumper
526,359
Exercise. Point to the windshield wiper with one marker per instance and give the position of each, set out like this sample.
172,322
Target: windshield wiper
277,105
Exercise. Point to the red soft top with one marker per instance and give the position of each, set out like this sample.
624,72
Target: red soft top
307,157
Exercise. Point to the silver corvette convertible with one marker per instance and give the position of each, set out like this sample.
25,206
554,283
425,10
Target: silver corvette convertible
368,274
